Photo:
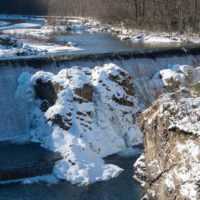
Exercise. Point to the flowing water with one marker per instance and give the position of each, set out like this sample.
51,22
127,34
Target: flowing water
14,117
123,187
106,43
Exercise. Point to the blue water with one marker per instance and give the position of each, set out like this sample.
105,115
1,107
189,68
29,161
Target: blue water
105,43
124,187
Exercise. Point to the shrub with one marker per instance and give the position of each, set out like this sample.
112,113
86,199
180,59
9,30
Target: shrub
173,85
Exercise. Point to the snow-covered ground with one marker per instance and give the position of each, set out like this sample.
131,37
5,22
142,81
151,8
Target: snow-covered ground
29,29
4,23
35,28
143,36
134,35
80,25
44,29
12,48
21,26
21,17
91,116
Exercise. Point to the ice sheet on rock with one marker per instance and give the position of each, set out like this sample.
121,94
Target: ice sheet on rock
86,130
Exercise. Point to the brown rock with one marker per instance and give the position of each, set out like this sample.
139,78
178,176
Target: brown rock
47,91
161,153
124,80
122,101
86,92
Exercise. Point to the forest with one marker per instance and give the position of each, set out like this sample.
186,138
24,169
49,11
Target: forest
170,15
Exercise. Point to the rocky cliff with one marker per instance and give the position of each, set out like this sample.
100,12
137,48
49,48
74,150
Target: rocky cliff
169,169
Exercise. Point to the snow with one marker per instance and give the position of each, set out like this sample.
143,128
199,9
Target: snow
169,182
25,50
139,37
189,190
20,49
105,128
53,48
22,17
21,26
188,108
140,170
134,35
150,89
194,41
180,109
80,25
4,23
33,28
143,36
187,114
188,174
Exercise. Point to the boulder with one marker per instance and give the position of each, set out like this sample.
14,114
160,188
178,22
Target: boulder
170,166
8,42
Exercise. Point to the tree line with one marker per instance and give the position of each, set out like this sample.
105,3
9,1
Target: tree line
150,14
25,7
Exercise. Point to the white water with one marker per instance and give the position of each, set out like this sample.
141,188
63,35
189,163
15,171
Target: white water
13,115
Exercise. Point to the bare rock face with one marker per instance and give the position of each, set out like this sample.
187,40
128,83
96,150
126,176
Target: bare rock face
123,80
170,166
85,92
46,91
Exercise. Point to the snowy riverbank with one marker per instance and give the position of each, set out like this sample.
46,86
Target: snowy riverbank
138,36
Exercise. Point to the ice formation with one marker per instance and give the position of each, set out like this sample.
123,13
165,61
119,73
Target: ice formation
86,115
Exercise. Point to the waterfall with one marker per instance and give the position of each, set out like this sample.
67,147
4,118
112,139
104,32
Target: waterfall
14,116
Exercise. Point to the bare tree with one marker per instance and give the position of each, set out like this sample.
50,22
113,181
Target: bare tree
156,14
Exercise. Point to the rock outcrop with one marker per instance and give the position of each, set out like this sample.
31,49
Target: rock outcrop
8,42
169,169
85,114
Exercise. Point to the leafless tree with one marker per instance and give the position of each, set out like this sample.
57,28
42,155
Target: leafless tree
154,14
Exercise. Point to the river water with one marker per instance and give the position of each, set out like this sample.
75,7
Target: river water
123,187
106,43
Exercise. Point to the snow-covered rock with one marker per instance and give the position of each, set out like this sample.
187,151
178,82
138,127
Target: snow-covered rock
174,77
12,48
6,42
170,166
85,114
178,73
